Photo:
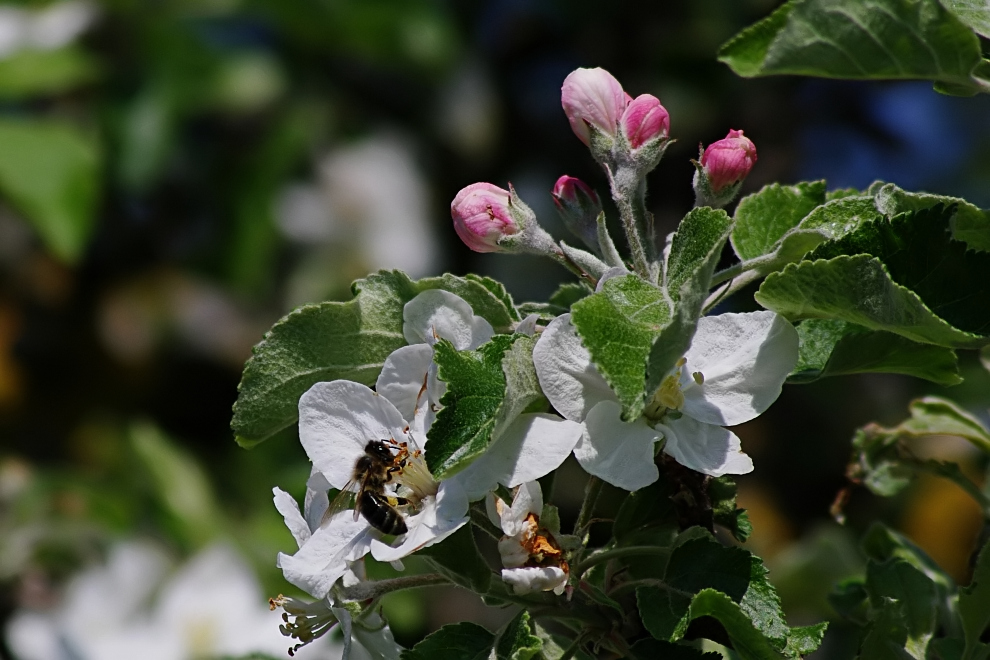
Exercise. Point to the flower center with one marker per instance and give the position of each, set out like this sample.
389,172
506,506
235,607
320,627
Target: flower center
414,479
670,395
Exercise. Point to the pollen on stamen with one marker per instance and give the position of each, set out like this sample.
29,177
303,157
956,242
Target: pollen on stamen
699,377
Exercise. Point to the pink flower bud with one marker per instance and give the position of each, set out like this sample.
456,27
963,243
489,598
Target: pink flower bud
729,160
592,97
579,207
571,190
482,216
644,120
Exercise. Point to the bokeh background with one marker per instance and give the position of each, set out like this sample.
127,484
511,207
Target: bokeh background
176,175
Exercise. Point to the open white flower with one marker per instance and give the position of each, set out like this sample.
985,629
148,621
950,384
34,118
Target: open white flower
733,371
337,420
532,559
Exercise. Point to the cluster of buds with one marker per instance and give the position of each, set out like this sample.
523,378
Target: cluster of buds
617,128
628,137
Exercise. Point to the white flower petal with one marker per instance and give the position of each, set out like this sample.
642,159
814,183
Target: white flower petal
568,378
534,445
529,579
287,506
322,560
437,314
440,517
619,452
336,421
316,502
744,359
528,499
707,448
528,325
404,380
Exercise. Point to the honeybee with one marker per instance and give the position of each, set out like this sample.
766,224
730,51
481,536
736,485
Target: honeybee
372,471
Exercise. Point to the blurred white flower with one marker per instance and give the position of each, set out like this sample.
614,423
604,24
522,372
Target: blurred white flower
212,606
371,195
45,29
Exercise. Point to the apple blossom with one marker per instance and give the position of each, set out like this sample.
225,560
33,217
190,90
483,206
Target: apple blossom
732,372
532,558
338,418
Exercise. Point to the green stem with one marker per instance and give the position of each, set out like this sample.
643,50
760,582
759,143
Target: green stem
591,492
366,590
480,520
743,280
631,225
561,258
728,273
618,553
575,646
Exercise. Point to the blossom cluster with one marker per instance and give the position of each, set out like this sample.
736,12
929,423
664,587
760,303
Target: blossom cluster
372,444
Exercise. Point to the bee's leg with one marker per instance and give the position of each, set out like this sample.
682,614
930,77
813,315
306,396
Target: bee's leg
396,501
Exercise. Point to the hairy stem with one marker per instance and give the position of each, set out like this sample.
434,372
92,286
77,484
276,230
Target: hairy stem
378,588
618,553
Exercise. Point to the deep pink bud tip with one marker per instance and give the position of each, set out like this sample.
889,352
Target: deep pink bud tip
645,119
729,160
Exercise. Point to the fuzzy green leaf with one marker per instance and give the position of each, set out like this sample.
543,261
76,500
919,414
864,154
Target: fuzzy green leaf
858,289
618,325
970,224
974,605
694,253
475,393
974,13
916,597
317,343
763,218
516,641
830,347
857,39
747,641
919,254
348,340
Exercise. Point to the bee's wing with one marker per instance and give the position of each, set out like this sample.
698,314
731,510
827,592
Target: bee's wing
340,503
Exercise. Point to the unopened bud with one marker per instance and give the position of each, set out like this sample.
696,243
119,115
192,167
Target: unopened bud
490,219
592,98
482,217
645,120
722,168
579,207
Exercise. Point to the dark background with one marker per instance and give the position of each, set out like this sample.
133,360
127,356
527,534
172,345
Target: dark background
187,264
